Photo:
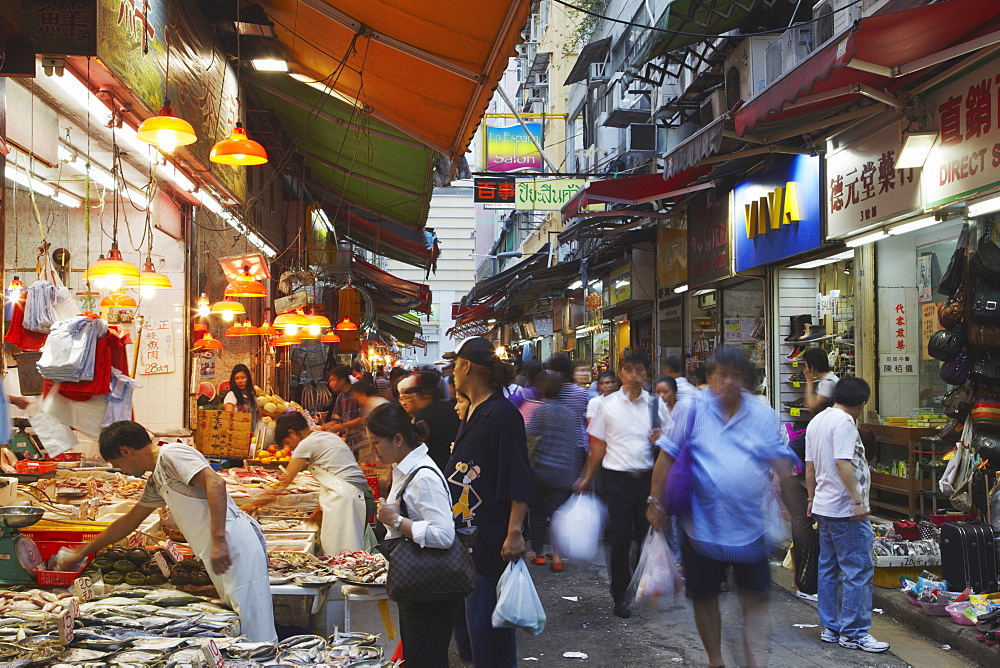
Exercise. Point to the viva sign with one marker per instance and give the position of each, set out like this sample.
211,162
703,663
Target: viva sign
777,214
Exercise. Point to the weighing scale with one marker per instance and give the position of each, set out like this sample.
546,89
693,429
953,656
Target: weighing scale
18,554
24,444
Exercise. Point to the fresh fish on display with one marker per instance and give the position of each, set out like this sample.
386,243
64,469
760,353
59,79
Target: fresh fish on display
78,656
139,657
162,644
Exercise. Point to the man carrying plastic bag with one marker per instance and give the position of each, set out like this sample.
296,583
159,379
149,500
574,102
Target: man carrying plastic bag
518,605
657,579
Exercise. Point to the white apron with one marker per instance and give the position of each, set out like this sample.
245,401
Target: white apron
344,518
245,587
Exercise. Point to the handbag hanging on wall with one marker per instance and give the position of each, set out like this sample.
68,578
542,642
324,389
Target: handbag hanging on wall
953,275
985,262
953,311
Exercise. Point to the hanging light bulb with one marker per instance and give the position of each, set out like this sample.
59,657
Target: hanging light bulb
245,286
228,308
15,289
346,325
150,279
238,149
166,131
266,329
118,300
285,340
306,333
330,337
291,321
207,342
203,306
228,316
317,323
112,272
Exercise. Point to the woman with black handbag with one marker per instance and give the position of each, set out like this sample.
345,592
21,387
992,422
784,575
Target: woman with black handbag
424,516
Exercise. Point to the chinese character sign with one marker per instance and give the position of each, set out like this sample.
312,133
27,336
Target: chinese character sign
494,191
510,149
863,187
708,241
966,156
156,347
897,365
898,313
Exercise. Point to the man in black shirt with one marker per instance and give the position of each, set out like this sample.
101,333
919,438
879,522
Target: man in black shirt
427,405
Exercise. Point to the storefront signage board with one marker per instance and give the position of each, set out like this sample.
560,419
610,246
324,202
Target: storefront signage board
57,28
708,241
671,255
621,284
132,39
863,188
510,149
777,214
966,156
928,326
157,347
494,191
547,194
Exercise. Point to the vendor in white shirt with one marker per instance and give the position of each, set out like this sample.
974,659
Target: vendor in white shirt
241,397
225,538
344,495
424,515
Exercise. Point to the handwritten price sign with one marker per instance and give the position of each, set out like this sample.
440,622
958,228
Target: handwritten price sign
156,347
212,654
84,589
161,561
66,621
136,540
173,551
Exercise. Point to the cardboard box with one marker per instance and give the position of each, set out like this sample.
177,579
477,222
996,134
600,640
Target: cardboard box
223,433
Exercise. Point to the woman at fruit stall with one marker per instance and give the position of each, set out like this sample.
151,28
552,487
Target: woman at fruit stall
423,515
242,398
344,495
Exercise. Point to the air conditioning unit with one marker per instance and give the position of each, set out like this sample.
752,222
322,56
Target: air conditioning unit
774,61
599,71
845,14
713,107
797,44
744,69
640,138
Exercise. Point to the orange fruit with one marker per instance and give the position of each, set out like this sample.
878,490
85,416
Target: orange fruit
272,448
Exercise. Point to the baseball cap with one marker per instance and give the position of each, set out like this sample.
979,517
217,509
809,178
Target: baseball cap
476,349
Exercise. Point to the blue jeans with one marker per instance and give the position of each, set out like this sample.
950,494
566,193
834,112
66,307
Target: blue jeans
477,641
845,574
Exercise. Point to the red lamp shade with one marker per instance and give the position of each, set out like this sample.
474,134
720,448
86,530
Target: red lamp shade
208,342
238,150
346,325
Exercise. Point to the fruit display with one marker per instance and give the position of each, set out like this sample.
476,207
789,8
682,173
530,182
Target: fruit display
272,454
273,405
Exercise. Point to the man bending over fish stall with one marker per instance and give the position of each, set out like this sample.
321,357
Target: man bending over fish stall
225,538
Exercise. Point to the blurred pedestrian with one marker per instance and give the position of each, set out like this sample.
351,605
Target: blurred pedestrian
675,369
572,394
621,452
733,443
491,489
425,403
582,375
530,388
607,382
838,481
382,384
556,463
424,516
666,390
344,417
820,380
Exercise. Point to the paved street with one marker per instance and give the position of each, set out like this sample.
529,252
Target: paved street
667,638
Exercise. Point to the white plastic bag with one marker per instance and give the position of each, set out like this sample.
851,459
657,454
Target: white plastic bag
518,605
657,580
576,527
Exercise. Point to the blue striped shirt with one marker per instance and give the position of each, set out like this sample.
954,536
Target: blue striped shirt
731,472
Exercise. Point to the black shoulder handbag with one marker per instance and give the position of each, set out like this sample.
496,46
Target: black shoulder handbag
952,278
986,368
985,262
419,574
985,299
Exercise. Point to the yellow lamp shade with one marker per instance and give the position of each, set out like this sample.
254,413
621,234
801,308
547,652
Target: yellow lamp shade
238,149
16,284
285,340
118,300
243,329
306,334
346,325
149,280
228,305
267,330
111,272
295,320
208,343
165,131
329,337
244,286
318,320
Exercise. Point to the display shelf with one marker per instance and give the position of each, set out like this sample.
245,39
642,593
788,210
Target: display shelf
912,487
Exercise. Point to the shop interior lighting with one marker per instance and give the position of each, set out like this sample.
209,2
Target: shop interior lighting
228,309
326,90
317,323
285,340
66,199
23,178
913,225
15,289
238,149
681,289
330,337
208,342
112,272
916,147
291,322
118,300
149,280
268,58
320,215
866,239
244,328
166,131
983,207
245,286
812,264
491,321
576,285
346,325
213,205
622,284
203,306
79,164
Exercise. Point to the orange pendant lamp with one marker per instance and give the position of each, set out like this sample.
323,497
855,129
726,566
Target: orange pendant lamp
208,342
329,337
291,322
166,131
317,323
118,299
346,325
228,308
203,306
245,286
244,328
285,340
15,289
111,272
267,330
149,280
238,149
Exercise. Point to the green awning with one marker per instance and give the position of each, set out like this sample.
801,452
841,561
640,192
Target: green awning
700,17
367,162
404,327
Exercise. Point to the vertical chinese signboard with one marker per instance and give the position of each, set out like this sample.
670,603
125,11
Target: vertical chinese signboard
156,347
864,188
966,157
708,241
133,37
898,315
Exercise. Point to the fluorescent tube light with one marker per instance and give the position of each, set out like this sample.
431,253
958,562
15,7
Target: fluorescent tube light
983,207
918,224
916,147
868,238
680,289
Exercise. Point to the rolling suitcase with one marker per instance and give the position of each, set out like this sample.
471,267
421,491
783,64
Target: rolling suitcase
969,556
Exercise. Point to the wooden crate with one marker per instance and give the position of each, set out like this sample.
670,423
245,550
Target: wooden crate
223,433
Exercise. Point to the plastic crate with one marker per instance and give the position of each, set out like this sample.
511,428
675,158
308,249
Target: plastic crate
957,612
64,532
48,549
36,468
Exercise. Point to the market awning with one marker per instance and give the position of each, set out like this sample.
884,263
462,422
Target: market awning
426,68
394,178
631,190
698,18
499,281
594,52
556,277
404,327
701,144
390,294
876,59
379,235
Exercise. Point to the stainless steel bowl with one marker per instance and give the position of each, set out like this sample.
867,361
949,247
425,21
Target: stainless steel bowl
16,517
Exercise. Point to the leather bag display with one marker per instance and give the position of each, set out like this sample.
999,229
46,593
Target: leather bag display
953,311
956,371
985,368
985,306
986,414
985,261
958,402
418,574
946,344
952,278
984,336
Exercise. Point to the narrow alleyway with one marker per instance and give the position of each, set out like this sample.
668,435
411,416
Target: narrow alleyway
668,638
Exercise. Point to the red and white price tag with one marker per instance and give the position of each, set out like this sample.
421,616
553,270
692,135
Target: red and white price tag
136,540
173,551
66,621
84,589
212,654
161,561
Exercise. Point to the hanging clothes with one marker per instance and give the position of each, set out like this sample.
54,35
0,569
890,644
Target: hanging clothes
69,352
40,307
17,335
101,382
119,398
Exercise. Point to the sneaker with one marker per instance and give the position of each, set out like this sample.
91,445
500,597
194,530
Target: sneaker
866,642
829,636
624,610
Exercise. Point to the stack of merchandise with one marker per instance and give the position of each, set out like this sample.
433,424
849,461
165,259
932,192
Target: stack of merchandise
906,543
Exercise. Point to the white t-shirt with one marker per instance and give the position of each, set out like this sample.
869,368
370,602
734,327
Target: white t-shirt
625,426
826,385
592,406
830,436
329,451
176,465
